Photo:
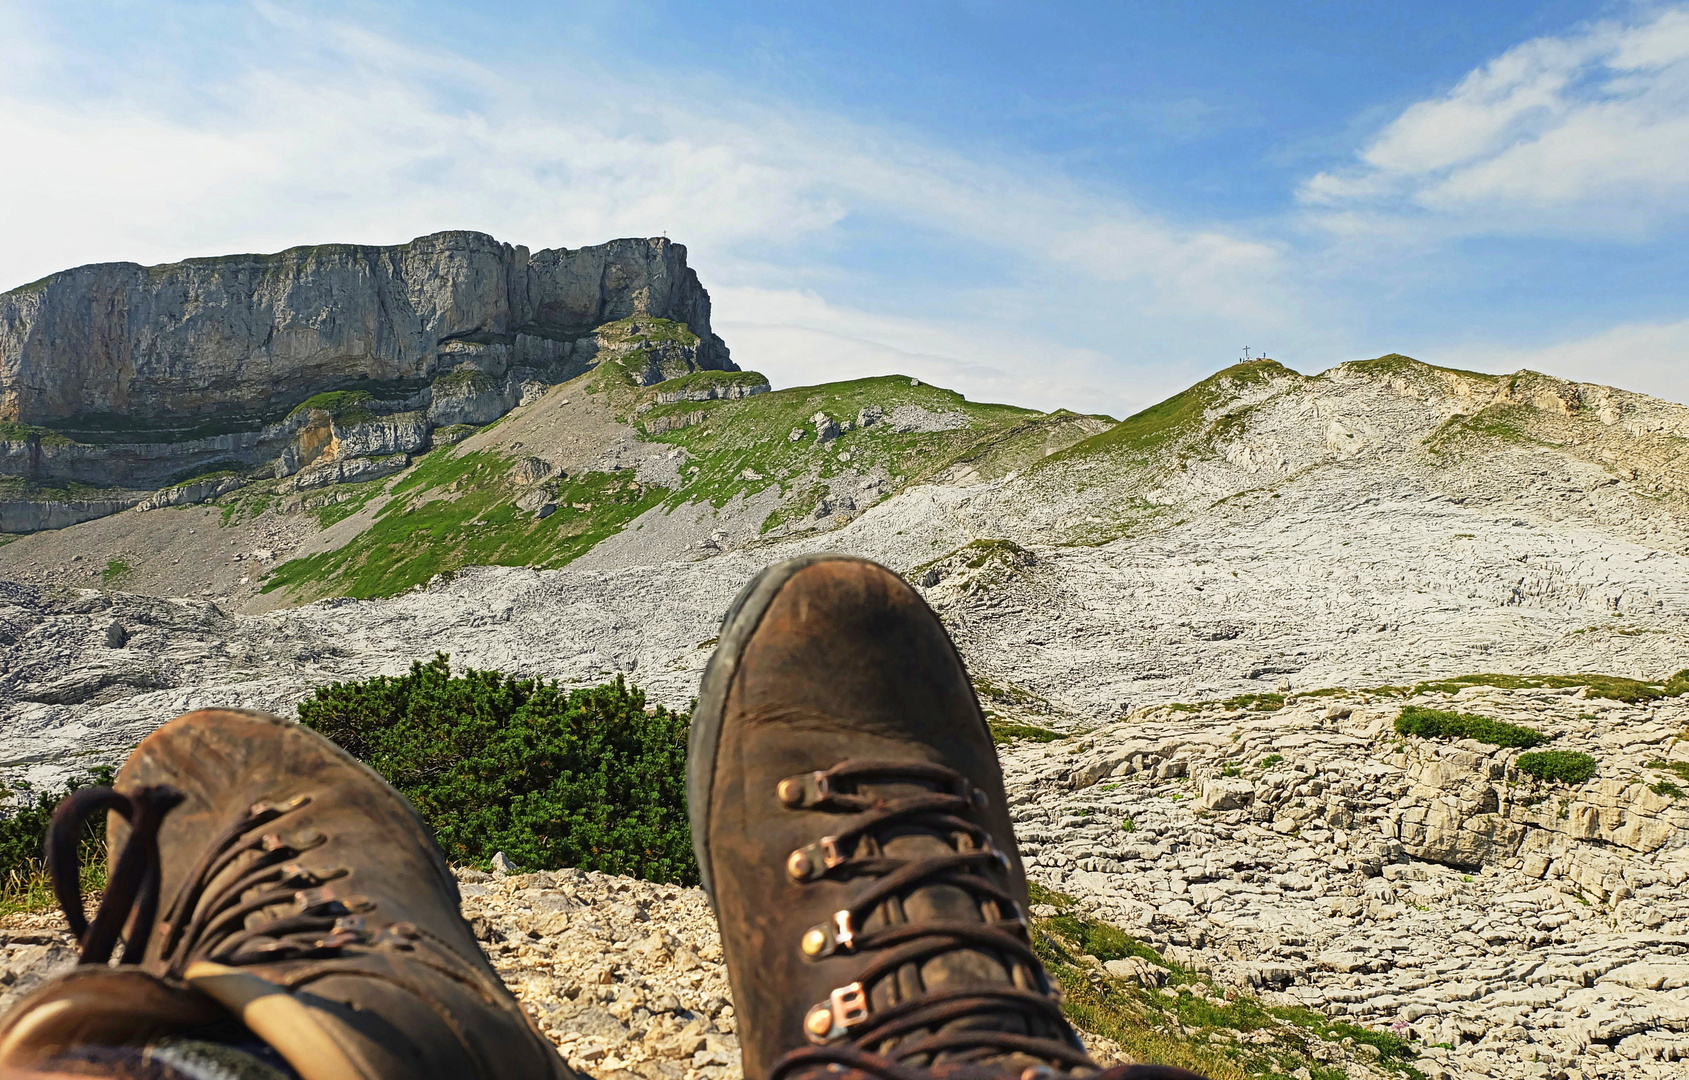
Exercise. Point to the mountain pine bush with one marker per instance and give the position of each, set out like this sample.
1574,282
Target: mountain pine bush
1443,724
553,778
1565,766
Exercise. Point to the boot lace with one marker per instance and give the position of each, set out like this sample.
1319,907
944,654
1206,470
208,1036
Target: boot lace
907,1039
310,918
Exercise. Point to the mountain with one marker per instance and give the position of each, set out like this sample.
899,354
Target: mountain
1202,620
117,380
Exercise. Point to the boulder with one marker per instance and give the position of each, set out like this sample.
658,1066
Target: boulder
1227,793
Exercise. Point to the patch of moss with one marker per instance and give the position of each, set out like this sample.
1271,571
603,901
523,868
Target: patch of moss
116,569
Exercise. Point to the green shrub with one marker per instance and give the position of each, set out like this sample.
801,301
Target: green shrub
1272,759
1564,766
1003,732
1442,724
588,778
23,840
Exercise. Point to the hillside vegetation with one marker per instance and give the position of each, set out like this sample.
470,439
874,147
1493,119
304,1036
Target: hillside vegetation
471,504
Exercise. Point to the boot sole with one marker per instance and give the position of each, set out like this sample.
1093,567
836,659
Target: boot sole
743,617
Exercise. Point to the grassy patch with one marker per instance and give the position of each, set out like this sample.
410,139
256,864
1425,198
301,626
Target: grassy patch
751,436
1007,694
12,431
1561,766
978,554
1143,434
1506,422
1224,1035
464,380
1272,759
1443,724
707,381
116,570
1612,687
345,406
1256,702
1003,732
344,500
454,510
1680,769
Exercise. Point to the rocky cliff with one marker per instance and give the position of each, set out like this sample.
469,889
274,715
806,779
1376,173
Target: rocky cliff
119,376
242,335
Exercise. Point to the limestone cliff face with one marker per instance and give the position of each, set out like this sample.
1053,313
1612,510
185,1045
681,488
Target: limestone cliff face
237,337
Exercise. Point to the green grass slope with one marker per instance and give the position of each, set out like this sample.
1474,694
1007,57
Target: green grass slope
455,507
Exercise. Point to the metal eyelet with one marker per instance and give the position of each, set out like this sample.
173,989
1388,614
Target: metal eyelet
822,940
805,789
815,941
813,859
828,1020
798,866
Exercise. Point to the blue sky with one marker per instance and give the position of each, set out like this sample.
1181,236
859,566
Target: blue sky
1079,205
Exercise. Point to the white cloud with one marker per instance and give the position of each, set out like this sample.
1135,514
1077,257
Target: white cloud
1582,134
340,134
1652,358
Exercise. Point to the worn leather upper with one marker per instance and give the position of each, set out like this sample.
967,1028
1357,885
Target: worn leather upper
847,662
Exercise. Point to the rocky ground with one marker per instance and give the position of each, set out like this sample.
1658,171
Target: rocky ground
1359,529
1511,927
1294,871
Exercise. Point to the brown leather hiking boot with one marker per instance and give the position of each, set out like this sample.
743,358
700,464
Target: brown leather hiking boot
304,903
849,818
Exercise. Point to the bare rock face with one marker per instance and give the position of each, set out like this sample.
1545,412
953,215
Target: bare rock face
244,334
131,379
